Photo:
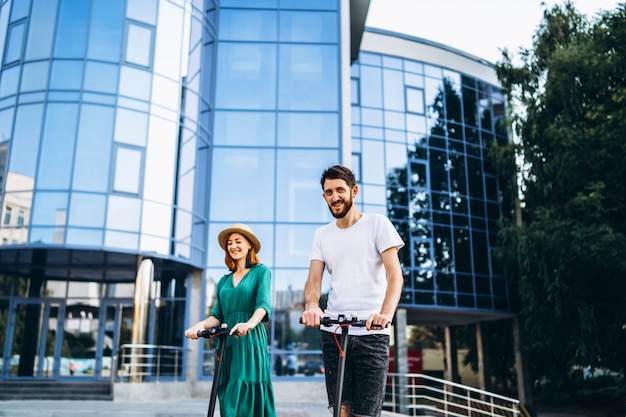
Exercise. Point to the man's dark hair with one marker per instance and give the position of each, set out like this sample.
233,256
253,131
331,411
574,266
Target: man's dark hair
338,172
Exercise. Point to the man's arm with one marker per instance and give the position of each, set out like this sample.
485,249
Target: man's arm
395,282
312,293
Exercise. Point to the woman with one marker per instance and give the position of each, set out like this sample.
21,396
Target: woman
243,302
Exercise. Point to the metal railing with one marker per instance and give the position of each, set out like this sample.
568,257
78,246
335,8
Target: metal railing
148,363
418,394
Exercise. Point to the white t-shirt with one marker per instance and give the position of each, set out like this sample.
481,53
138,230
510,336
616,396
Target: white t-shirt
352,257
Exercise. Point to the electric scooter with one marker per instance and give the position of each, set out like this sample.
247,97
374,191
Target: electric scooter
221,333
343,323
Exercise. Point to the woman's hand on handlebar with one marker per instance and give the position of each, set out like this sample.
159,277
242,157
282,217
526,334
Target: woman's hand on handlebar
311,316
192,332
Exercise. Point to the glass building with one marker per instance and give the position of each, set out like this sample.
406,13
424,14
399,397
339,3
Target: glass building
133,131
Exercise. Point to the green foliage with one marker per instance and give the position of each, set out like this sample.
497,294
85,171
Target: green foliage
567,259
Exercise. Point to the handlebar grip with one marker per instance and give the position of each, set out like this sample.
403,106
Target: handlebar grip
213,331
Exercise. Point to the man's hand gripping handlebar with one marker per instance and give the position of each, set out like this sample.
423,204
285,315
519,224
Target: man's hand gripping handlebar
342,320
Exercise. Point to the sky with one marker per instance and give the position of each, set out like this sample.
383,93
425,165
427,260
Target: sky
483,28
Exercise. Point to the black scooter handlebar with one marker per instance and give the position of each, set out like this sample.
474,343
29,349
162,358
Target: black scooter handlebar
214,331
343,320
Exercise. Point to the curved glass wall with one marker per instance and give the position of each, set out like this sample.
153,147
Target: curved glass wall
420,138
90,112
105,123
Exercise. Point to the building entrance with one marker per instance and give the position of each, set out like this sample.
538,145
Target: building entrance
34,339
63,339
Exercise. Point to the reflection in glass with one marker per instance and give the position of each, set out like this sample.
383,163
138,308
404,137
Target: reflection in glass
308,27
93,148
298,193
311,70
253,172
26,140
247,74
86,210
244,128
41,29
66,75
101,77
15,40
248,25
9,81
72,28
34,76
106,30
57,146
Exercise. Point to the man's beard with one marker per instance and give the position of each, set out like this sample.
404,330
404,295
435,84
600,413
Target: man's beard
347,205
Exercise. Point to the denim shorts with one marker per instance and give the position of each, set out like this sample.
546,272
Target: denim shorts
365,376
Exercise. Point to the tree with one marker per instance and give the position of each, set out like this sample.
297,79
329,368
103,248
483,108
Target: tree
567,258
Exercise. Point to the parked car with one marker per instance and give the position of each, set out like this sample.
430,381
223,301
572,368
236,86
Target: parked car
313,367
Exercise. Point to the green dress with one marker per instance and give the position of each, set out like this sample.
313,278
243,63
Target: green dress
245,386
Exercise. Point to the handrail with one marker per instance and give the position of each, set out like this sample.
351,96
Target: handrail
140,362
413,394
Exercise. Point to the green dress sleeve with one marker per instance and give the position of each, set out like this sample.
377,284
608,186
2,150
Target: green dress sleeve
217,308
264,291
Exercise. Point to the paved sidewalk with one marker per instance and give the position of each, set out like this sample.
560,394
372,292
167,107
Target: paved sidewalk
187,408
171,408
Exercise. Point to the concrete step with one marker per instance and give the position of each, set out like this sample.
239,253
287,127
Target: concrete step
55,390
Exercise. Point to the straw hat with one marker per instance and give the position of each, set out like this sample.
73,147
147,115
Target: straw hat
240,228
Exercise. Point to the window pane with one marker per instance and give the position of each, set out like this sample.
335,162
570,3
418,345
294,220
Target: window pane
131,127
135,83
156,219
93,148
101,77
84,237
57,147
87,210
244,128
253,171
106,30
49,209
142,10
298,191
9,81
294,242
308,77
15,41
310,27
160,160
139,45
311,130
25,143
393,86
415,100
248,25
66,75
41,29
123,213
127,170
71,38
35,76
247,74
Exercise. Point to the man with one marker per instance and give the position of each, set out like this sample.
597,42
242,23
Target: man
360,251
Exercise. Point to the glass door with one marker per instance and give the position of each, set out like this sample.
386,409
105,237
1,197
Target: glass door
34,336
115,330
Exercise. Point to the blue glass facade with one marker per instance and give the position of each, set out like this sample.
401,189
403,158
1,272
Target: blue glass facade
421,136
135,130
